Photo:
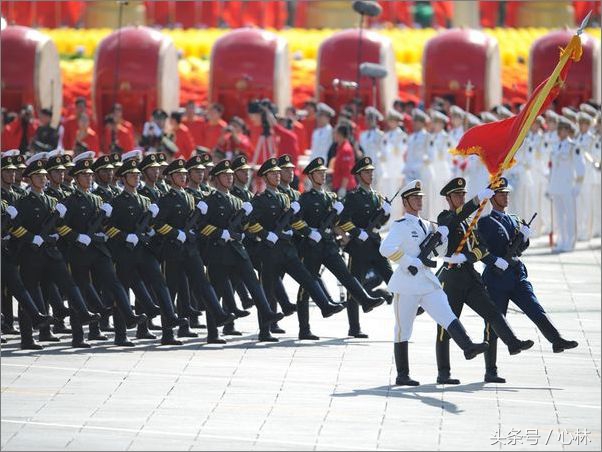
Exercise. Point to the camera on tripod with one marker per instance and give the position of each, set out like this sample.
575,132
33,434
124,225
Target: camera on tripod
260,107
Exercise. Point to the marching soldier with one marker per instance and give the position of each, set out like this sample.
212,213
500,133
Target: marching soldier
585,142
177,226
137,267
321,211
19,186
56,175
414,284
395,143
506,276
418,165
67,185
460,281
38,227
274,218
372,140
365,212
104,172
88,254
226,254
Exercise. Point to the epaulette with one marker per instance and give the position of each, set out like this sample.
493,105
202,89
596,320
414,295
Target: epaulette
400,220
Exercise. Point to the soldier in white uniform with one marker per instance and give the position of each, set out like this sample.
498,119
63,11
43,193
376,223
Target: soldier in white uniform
414,285
371,141
597,155
566,180
550,141
395,144
476,173
585,141
456,120
322,136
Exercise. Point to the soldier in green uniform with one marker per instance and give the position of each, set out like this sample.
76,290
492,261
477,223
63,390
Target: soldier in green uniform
67,185
88,254
114,180
207,162
103,175
273,219
11,279
177,227
39,220
227,219
321,211
460,281
365,212
18,185
160,182
56,175
129,231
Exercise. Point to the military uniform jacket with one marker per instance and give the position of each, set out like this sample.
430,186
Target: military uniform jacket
35,210
242,193
315,206
128,208
152,193
361,207
293,195
83,210
175,210
9,198
497,230
58,193
106,193
222,207
403,241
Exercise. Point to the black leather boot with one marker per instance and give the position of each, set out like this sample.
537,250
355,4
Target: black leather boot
230,330
458,334
402,364
490,355
77,304
443,365
552,334
365,300
184,329
142,332
562,344
504,332
60,327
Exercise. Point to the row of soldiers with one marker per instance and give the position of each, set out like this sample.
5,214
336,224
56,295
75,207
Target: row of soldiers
547,156
196,244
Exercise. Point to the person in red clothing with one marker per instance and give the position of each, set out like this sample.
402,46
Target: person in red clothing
309,122
214,125
235,140
118,116
194,122
344,159
286,139
11,136
18,133
117,135
84,135
184,140
298,128
70,125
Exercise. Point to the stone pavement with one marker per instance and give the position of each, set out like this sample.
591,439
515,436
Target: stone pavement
334,394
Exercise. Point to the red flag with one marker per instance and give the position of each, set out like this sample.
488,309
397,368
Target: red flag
497,142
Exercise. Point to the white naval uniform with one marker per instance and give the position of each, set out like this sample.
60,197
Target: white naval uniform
371,142
520,177
566,176
585,201
410,291
321,140
454,138
439,146
597,191
395,144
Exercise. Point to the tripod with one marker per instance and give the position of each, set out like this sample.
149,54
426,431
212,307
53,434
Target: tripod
265,149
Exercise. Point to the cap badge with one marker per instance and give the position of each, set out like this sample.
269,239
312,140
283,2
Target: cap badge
418,185
460,182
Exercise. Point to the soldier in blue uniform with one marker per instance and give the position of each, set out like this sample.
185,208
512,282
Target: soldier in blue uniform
506,277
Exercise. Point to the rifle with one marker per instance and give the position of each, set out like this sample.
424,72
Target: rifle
92,229
379,218
235,225
141,228
49,227
283,221
428,246
513,249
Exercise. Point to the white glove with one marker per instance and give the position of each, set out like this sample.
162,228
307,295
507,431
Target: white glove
315,236
54,236
486,193
107,209
443,231
272,237
342,192
296,207
576,190
363,236
500,263
61,209
456,259
154,210
247,207
84,239
387,208
102,236
12,211
338,206
37,240
413,262
288,232
181,236
226,235
526,232
202,206
132,238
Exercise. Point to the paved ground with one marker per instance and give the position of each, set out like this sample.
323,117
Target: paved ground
334,394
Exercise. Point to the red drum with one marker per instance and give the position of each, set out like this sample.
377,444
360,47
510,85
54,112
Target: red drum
138,68
249,64
31,73
453,58
337,69
583,80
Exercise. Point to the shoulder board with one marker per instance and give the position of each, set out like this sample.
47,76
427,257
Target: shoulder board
400,220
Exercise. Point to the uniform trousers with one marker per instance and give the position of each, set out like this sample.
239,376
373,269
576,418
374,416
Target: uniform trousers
406,305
